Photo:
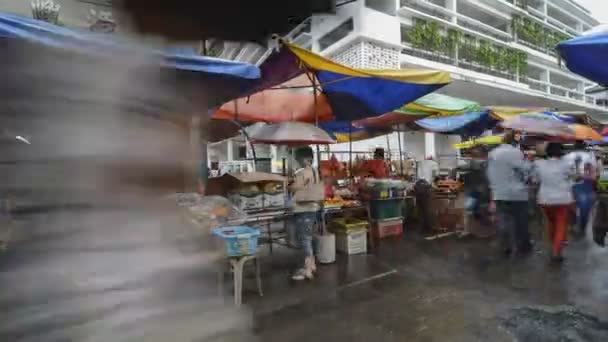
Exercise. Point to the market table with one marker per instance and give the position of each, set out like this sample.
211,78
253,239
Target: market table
265,217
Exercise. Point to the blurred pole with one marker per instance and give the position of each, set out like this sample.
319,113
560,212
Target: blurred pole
400,150
203,47
350,150
196,172
313,79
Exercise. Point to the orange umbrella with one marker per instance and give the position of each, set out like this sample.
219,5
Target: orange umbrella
278,105
583,132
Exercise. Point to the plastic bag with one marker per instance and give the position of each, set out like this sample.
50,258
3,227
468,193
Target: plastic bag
210,211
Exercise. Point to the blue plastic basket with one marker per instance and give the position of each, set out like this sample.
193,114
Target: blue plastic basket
239,241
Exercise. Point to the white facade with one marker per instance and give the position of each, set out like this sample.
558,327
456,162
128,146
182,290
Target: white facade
378,34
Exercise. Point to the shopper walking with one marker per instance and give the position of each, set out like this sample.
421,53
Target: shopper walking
555,196
585,166
307,191
508,172
475,189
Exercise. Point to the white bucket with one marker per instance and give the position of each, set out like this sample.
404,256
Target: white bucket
326,248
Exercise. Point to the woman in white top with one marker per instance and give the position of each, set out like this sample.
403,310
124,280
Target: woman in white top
555,196
308,192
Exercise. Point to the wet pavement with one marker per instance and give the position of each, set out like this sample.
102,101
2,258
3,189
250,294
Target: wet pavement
408,289
444,290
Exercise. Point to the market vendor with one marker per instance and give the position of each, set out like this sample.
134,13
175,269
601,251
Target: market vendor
375,168
307,192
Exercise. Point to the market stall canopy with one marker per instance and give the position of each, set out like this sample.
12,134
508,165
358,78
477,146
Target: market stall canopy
584,132
472,123
540,124
431,104
352,94
586,55
192,20
391,119
345,131
439,104
291,134
278,105
231,78
505,112
488,140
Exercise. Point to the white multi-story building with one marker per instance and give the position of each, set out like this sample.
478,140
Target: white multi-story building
499,52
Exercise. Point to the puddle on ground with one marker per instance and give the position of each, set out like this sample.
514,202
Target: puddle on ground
555,323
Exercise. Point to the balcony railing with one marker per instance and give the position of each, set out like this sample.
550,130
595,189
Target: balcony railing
555,89
463,63
538,48
428,8
544,87
478,26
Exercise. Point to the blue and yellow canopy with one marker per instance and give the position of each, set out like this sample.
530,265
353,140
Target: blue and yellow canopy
351,93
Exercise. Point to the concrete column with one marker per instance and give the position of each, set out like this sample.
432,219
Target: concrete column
545,76
452,5
230,150
580,27
429,145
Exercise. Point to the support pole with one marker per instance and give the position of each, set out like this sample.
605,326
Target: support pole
350,150
314,94
236,120
400,150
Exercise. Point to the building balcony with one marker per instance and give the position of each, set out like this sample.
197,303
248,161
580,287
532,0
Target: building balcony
466,61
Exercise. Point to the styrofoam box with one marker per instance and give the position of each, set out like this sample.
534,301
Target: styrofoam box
274,200
247,202
354,242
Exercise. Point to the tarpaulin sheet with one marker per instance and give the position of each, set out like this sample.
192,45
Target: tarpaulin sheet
352,94
345,132
488,140
439,104
587,55
473,123
505,112
12,26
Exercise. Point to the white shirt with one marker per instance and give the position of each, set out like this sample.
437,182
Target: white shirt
584,157
428,169
507,173
555,182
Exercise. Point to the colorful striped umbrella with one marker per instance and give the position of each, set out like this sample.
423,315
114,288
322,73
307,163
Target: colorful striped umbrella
351,94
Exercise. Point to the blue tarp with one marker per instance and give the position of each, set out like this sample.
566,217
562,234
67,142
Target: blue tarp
587,55
470,124
12,26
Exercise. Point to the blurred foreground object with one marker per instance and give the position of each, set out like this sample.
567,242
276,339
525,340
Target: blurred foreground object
586,55
97,253
248,20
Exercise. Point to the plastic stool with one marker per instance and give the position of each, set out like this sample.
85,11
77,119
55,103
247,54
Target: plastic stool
236,265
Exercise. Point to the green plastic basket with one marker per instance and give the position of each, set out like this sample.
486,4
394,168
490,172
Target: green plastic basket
386,209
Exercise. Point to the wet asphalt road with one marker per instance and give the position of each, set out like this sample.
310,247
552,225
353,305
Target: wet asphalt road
408,289
446,290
